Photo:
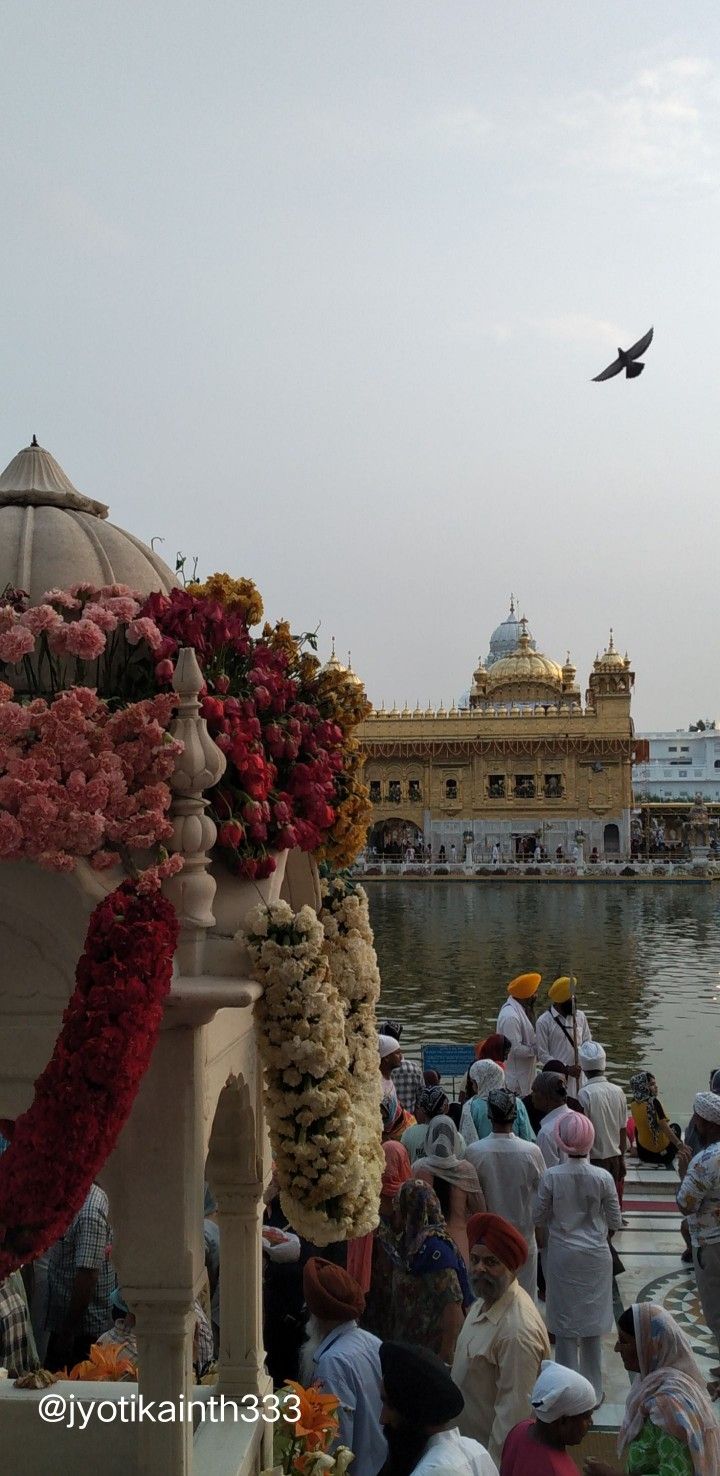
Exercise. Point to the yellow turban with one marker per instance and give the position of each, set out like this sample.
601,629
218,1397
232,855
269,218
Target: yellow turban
525,986
561,990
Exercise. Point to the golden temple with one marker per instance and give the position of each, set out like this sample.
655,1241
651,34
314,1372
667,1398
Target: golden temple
520,769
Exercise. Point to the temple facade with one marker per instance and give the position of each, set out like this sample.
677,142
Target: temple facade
522,764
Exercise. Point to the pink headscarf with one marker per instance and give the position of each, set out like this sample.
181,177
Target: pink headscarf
575,1134
670,1391
397,1169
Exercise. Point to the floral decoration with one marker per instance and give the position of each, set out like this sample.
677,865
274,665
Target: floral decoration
291,776
77,780
307,1427
84,1095
318,1040
350,951
308,1086
284,724
106,1363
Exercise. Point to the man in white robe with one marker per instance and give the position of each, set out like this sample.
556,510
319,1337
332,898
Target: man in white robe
516,1021
554,1030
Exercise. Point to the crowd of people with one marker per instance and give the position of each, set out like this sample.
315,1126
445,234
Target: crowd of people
464,1336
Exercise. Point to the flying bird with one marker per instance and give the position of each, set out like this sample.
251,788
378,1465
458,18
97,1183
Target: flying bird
625,360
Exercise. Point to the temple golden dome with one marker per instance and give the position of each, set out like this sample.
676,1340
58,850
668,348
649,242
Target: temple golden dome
612,656
524,665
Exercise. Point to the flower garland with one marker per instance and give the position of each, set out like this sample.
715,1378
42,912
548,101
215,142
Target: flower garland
79,780
308,1086
84,1095
350,951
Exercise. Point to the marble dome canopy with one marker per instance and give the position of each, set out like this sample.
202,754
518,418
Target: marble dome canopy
52,536
505,637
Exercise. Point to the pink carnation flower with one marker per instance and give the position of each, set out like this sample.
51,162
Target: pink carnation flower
84,591
100,615
62,598
16,643
85,640
123,607
39,618
146,630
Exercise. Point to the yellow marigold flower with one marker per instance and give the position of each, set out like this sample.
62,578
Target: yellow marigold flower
234,594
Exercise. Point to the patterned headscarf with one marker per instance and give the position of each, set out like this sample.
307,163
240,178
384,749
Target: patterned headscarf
421,1216
502,1104
430,1098
670,1391
487,1076
640,1092
444,1156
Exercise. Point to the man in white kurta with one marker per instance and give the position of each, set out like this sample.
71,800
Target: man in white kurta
509,1171
503,1340
554,1029
516,1022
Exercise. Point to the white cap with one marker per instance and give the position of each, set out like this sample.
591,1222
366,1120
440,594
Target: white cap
386,1045
592,1056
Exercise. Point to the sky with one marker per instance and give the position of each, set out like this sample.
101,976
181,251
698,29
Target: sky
314,292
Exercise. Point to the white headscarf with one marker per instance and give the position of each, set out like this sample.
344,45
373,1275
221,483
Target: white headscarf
442,1150
487,1076
707,1106
560,1392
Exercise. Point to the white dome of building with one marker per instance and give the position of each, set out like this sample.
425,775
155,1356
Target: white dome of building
504,639
51,536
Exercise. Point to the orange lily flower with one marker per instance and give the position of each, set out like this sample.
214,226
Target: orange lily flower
105,1364
317,1422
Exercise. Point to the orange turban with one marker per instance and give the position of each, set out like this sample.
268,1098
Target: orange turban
330,1293
397,1169
524,986
500,1237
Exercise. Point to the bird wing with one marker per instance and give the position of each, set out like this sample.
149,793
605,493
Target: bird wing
641,345
611,370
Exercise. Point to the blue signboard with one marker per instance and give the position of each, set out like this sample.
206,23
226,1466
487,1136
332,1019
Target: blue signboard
448,1060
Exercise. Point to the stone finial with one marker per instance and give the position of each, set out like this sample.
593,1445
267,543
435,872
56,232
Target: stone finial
199,767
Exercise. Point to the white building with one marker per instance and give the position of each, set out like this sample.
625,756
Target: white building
678,765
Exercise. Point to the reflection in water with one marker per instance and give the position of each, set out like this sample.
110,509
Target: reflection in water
647,959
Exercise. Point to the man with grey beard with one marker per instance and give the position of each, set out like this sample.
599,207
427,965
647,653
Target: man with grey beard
503,1340
344,1360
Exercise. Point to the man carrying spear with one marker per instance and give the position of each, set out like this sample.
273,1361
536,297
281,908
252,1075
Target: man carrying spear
563,1029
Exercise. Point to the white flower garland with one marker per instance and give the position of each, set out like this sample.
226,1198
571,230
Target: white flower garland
308,1086
350,950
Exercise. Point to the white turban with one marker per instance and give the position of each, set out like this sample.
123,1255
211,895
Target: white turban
559,1392
386,1045
707,1106
592,1056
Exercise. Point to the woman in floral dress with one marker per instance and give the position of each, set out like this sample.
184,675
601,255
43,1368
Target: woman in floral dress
670,1427
430,1288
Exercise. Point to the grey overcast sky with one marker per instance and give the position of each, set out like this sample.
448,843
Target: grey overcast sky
315,291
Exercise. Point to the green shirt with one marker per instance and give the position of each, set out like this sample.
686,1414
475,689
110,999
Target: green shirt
656,1454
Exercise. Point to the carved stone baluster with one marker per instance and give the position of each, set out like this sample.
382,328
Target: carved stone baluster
199,767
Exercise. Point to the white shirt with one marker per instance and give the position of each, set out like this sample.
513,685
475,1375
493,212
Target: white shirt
605,1105
452,1454
520,1068
347,1363
547,1142
509,1171
552,1042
